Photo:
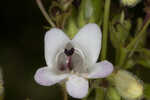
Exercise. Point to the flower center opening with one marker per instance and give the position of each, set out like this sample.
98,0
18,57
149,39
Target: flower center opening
70,60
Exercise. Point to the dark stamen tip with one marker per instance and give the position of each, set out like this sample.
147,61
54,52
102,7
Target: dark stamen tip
69,52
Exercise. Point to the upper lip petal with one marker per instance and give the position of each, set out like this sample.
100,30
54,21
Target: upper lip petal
55,39
88,39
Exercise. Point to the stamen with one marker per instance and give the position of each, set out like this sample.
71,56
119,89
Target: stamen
69,52
67,66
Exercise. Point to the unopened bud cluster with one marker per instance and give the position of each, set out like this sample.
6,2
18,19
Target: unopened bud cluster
130,3
127,85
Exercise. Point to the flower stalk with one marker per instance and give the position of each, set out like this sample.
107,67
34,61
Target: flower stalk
132,46
105,29
122,58
39,3
141,33
65,96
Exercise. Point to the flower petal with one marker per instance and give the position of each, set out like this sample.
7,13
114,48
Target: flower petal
45,76
101,70
55,39
77,87
88,39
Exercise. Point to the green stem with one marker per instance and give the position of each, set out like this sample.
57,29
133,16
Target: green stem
117,55
65,96
99,94
137,38
45,13
105,29
132,46
122,58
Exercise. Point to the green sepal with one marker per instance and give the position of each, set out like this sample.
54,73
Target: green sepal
112,94
119,32
71,28
90,11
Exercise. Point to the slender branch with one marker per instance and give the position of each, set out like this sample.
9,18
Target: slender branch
105,29
137,38
131,48
122,58
45,13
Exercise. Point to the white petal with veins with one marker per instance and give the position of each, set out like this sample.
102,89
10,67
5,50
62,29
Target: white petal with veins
45,76
88,40
77,87
101,70
55,39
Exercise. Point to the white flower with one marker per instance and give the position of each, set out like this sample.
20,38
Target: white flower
73,61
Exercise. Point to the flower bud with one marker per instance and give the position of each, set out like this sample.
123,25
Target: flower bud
90,11
128,86
130,3
71,28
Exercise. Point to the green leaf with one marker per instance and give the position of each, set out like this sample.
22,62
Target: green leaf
97,14
119,33
129,64
145,51
143,58
147,91
71,26
139,25
81,18
90,11
119,30
144,62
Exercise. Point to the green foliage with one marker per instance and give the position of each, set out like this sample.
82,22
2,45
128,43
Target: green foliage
129,63
112,94
119,31
71,27
90,11
143,58
147,91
